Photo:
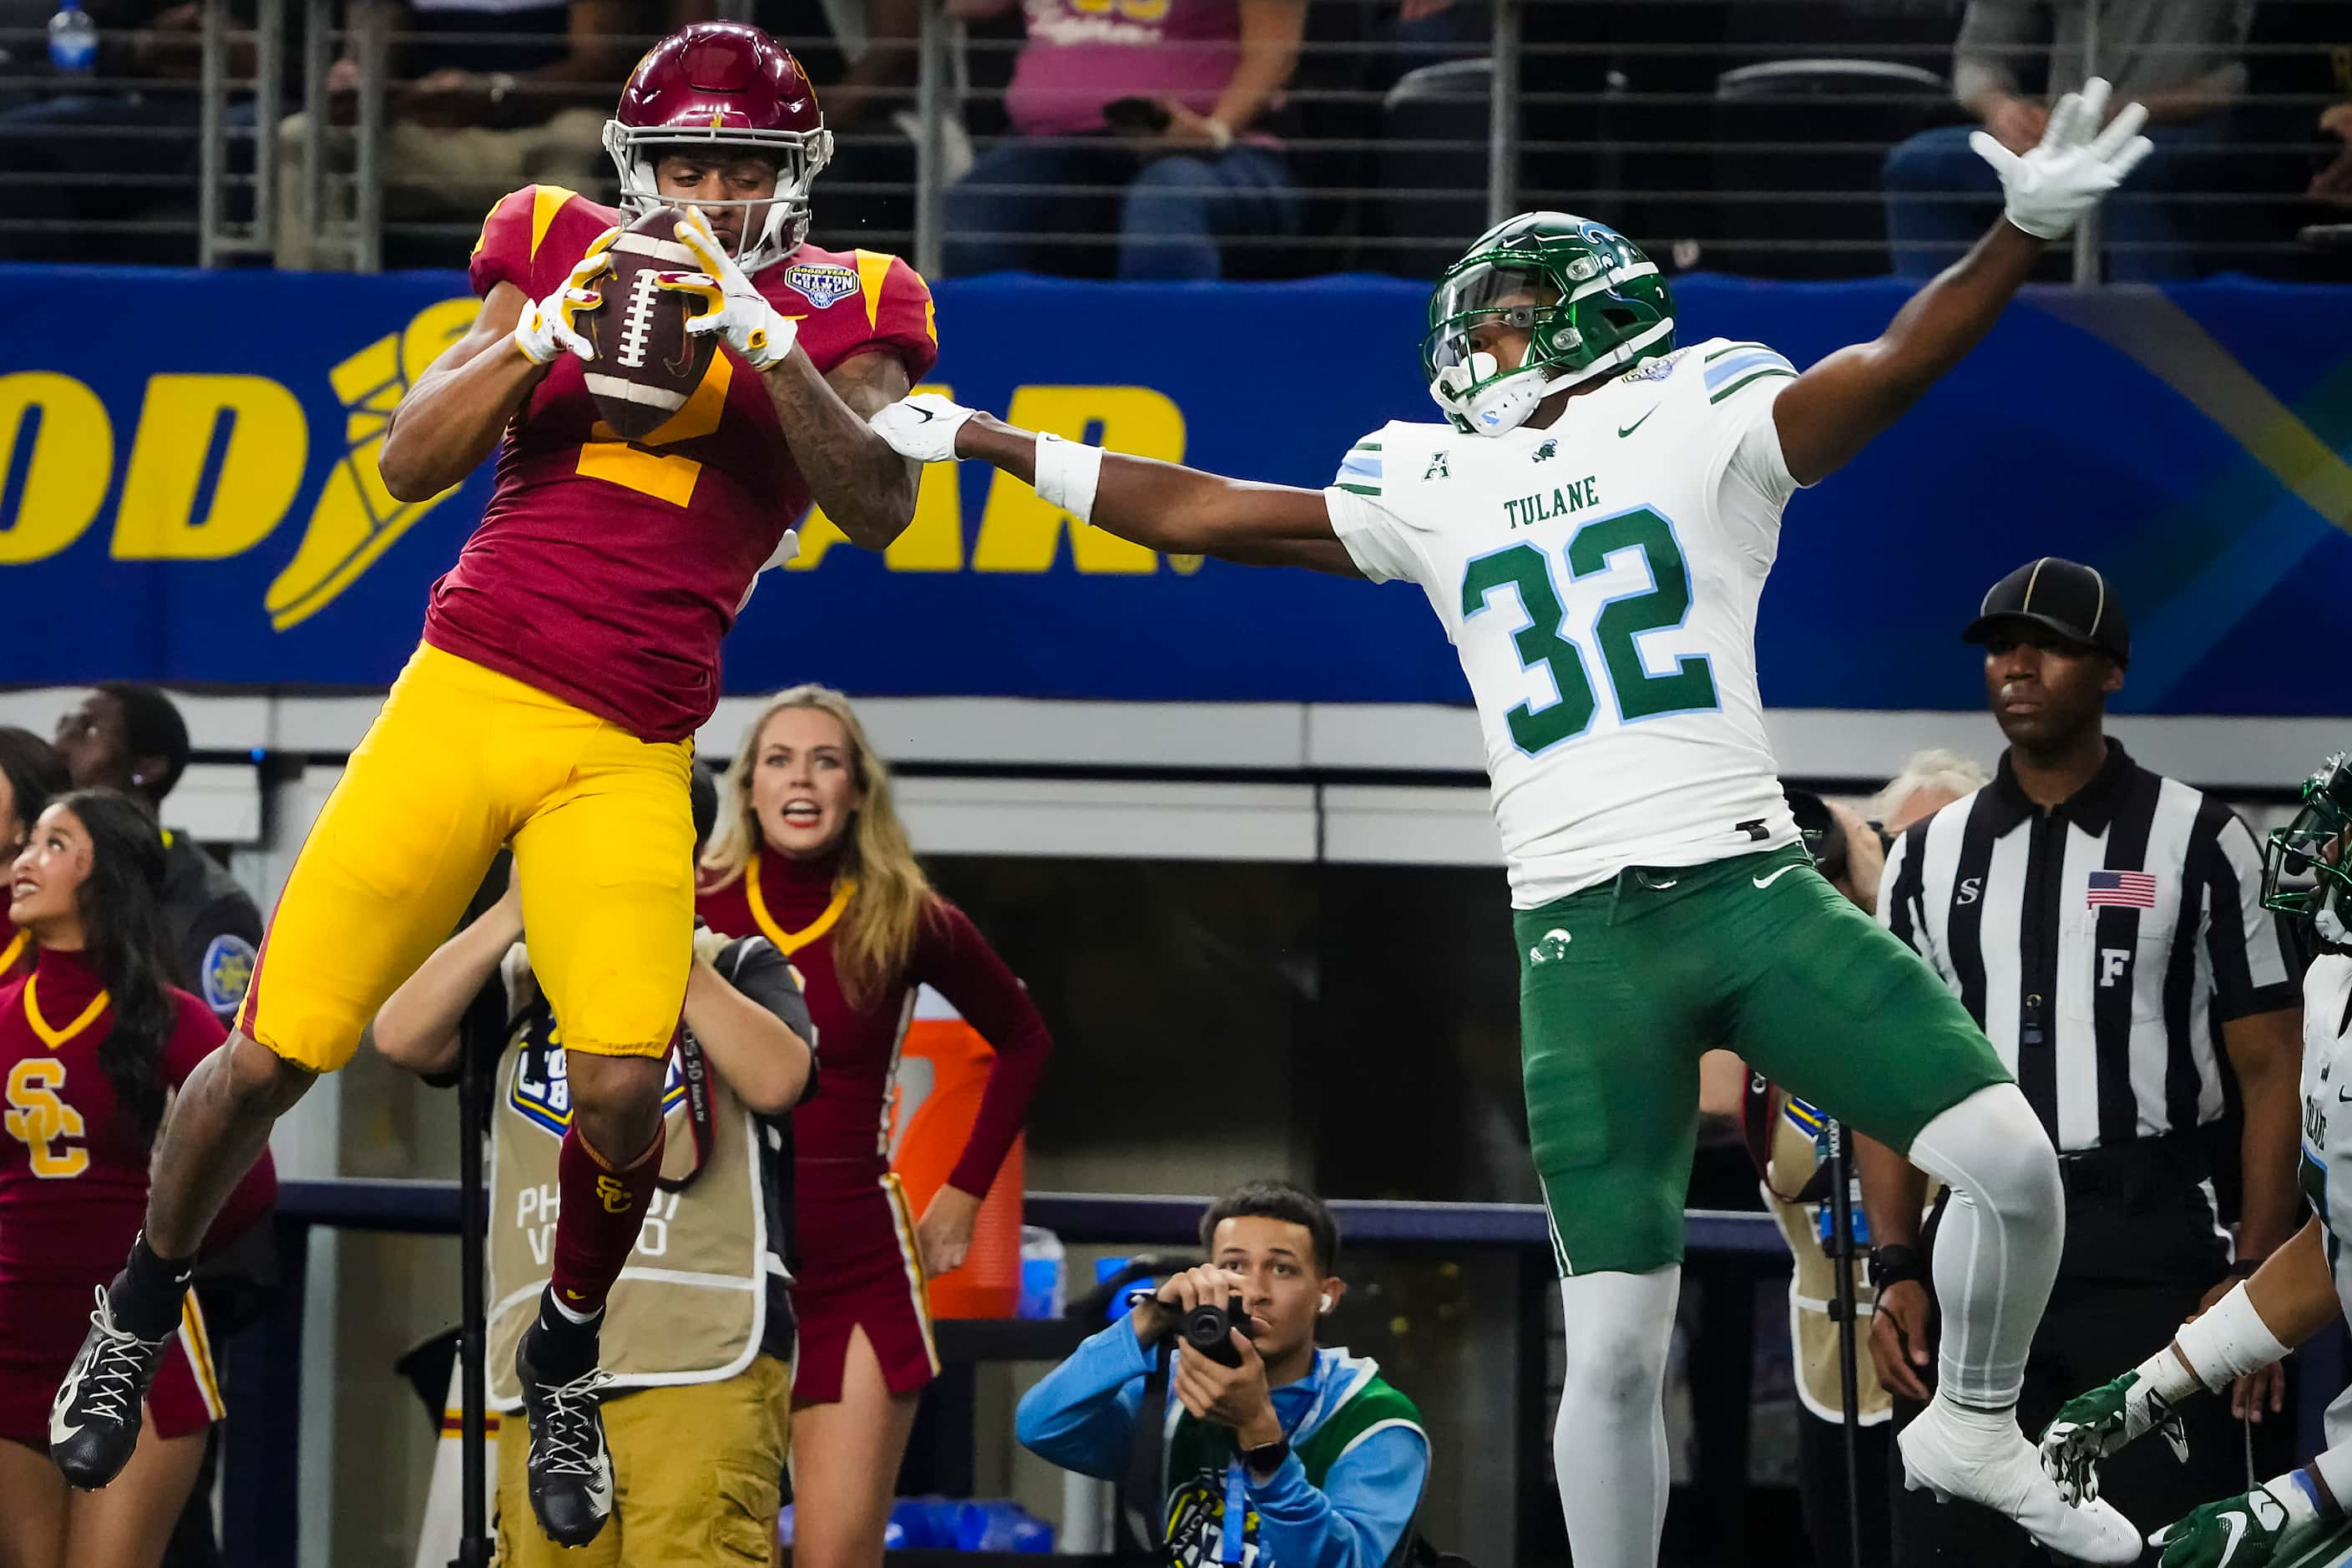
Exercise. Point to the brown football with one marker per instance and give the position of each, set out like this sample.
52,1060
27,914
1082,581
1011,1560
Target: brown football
648,364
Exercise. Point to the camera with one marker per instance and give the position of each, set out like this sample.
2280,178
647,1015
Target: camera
1208,1329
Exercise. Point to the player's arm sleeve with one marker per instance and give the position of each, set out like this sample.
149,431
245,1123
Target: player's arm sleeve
1365,1505
1384,546
1742,381
1081,1416
509,244
955,959
2242,939
900,312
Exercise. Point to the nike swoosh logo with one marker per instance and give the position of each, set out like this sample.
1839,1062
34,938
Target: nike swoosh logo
2343,1095
919,412
2235,1523
1629,429
1768,882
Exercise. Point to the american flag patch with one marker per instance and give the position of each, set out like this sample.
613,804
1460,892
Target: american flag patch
2131,890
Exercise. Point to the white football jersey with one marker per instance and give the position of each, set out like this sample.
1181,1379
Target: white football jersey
1600,581
2326,1175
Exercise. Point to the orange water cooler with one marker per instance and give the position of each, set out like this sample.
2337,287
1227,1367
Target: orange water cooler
942,1073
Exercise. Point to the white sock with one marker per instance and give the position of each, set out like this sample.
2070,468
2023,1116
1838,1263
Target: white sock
1609,1447
1997,1251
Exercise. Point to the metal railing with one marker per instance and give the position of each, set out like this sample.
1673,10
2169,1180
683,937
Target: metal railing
1749,137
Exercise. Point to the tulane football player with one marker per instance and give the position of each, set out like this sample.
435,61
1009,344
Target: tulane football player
1594,521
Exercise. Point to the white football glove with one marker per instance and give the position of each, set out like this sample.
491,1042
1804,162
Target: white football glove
2091,1426
2077,163
922,426
730,305
547,326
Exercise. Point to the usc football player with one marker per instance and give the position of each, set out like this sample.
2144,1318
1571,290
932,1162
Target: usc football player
568,659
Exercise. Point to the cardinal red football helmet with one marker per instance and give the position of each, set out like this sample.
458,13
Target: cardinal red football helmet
724,84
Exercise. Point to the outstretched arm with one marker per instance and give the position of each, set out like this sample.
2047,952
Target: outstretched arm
1161,506
1839,405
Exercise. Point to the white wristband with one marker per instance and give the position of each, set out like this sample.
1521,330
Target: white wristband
2229,1341
1068,473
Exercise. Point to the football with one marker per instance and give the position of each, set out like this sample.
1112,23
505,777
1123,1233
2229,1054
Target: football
648,364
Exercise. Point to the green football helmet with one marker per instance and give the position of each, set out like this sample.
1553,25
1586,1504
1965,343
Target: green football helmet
1590,301
2307,864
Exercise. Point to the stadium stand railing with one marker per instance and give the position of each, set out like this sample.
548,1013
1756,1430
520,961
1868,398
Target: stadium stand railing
1745,137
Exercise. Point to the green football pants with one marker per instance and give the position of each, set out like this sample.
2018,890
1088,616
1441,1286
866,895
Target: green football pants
1623,987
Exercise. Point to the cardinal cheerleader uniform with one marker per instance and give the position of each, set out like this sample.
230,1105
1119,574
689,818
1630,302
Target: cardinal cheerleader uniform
73,1193
860,1266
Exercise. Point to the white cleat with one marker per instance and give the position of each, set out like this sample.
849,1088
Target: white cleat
1946,1453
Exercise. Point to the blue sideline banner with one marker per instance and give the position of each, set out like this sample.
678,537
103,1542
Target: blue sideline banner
188,493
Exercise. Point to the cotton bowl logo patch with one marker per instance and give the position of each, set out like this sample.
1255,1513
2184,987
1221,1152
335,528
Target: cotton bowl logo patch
1652,369
224,973
825,283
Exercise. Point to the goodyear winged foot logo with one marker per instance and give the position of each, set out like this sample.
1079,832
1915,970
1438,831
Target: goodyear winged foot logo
356,520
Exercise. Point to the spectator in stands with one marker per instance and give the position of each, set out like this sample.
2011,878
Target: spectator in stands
491,96
701,1342
92,1043
1323,1458
1166,101
30,776
809,853
2179,57
101,156
130,737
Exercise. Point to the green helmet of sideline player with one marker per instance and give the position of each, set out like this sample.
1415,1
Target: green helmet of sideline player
2307,864
1589,300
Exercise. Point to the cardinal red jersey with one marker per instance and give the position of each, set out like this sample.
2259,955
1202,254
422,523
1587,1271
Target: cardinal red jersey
73,1174
605,572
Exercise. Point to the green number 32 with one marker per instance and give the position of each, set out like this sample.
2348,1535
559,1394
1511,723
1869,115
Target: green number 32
1639,694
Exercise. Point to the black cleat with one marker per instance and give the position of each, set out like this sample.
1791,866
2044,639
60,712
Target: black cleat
571,1468
94,1420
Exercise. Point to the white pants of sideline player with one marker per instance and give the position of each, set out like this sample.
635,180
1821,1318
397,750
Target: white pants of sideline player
1996,1256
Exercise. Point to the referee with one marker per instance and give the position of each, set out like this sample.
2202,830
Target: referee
2103,925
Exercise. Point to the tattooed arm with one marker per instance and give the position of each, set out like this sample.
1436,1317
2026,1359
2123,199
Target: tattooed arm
867,490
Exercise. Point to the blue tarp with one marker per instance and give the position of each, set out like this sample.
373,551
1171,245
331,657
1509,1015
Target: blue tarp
189,492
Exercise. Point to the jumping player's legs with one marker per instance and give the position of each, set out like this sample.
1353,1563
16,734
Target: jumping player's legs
454,762
1610,1043
606,867
1834,1009
401,842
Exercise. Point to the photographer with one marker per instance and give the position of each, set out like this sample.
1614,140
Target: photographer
1323,1460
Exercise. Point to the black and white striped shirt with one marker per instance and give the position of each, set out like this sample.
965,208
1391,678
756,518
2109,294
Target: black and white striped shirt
2101,946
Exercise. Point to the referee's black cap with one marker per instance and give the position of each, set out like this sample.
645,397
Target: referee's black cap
2064,596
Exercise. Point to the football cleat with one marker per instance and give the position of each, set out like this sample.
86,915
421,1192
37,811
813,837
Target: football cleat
94,1420
571,1468
2091,1426
1997,1468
